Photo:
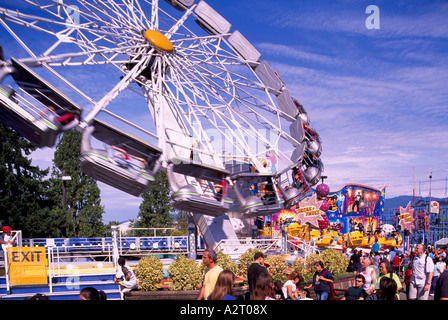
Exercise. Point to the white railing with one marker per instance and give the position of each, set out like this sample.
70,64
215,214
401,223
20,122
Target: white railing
154,244
64,259
236,247
160,244
61,265
303,248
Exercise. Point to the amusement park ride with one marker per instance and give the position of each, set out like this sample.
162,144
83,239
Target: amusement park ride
348,218
224,125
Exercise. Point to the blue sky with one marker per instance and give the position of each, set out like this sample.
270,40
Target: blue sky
377,97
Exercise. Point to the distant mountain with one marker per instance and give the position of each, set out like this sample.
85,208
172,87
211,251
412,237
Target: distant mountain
402,201
396,202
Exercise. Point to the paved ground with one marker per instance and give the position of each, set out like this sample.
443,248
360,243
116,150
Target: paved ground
403,295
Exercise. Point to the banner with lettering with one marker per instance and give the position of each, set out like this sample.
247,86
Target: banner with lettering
27,266
309,211
406,218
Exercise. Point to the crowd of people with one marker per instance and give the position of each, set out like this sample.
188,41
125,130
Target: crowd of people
366,284
378,276
420,274
218,283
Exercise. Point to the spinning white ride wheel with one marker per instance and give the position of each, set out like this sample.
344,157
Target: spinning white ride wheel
214,103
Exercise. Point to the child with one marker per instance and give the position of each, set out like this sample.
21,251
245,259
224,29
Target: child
125,277
6,239
224,287
264,289
290,287
278,285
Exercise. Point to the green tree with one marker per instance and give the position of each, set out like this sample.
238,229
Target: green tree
181,220
24,204
78,199
155,209
108,228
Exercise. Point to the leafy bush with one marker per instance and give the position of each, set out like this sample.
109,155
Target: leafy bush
308,268
336,262
149,273
298,266
185,273
245,260
177,232
278,267
226,262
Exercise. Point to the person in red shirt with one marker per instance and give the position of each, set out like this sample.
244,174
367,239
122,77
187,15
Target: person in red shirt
407,280
396,263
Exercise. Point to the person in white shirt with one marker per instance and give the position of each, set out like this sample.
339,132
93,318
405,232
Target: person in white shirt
6,240
439,267
125,277
290,291
422,273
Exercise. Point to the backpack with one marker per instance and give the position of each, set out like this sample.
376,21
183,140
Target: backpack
413,260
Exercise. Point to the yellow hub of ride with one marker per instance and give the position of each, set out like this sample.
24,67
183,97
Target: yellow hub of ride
158,40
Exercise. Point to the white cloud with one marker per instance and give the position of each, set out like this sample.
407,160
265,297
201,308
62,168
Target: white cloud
118,204
396,20
293,52
43,157
375,126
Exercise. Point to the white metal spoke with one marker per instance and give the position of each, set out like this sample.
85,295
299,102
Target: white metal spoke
203,81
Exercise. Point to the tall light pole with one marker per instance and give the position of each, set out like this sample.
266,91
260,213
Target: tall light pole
64,191
429,207
430,185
